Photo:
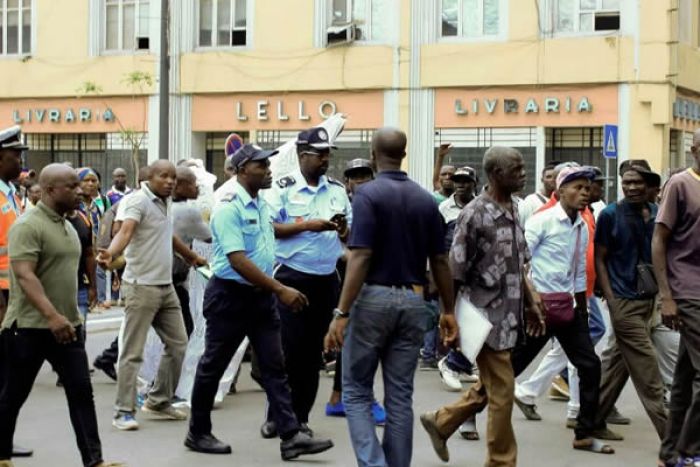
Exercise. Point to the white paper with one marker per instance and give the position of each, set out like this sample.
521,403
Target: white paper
474,328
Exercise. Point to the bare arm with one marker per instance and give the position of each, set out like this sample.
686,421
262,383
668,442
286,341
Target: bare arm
295,228
184,251
358,267
659,249
443,150
122,238
443,280
91,271
25,272
601,257
250,272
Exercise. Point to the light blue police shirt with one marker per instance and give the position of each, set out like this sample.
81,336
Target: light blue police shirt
291,202
241,223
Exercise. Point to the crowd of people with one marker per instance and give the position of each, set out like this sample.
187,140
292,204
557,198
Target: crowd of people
372,270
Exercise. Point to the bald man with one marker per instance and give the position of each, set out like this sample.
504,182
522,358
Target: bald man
146,237
675,252
43,322
188,225
398,229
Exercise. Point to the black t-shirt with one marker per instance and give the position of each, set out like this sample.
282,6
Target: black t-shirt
81,224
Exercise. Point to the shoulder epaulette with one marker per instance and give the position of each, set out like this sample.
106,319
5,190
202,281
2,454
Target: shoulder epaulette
228,197
336,182
284,182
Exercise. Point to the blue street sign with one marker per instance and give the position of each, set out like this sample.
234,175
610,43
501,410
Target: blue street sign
610,141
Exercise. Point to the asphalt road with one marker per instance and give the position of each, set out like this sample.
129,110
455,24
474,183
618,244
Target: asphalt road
44,425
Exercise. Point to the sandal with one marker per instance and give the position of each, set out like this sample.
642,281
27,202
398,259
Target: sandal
468,430
593,445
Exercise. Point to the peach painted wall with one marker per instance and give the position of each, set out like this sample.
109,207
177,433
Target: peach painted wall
220,112
36,114
603,102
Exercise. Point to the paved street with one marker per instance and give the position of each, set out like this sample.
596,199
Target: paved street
44,425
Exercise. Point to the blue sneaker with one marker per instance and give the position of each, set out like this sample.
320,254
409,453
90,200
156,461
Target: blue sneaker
125,421
140,400
335,410
688,462
378,413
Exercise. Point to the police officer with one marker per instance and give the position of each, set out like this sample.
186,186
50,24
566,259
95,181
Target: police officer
238,302
311,215
357,172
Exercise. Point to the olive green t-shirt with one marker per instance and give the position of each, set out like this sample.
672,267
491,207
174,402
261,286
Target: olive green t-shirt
46,238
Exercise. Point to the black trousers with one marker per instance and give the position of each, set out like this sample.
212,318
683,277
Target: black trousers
303,332
183,296
110,355
25,351
576,341
683,427
233,311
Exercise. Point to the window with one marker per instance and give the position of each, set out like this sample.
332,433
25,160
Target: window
126,24
15,27
222,23
470,18
586,15
362,20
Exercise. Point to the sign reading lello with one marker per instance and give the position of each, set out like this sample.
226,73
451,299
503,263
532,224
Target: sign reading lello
291,111
495,107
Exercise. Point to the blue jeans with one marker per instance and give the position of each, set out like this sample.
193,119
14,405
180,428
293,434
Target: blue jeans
456,361
431,336
83,306
387,324
596,324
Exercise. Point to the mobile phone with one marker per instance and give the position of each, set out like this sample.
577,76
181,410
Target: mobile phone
340,217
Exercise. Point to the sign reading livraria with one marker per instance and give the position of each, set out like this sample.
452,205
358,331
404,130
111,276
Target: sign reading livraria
69,115
530,106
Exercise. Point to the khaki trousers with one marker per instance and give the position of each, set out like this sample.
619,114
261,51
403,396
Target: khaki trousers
146,306
495,388
634,354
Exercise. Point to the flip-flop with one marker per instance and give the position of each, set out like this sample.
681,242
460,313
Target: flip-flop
470,435
595,445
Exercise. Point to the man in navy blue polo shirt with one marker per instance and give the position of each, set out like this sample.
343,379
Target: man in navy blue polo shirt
238,302
397,228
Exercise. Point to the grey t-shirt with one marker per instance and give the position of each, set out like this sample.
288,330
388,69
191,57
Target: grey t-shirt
149,254
188,225
680,212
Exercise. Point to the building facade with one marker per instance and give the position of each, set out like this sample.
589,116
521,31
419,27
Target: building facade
544,77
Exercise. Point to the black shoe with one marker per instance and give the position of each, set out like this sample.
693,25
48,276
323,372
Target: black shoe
302,444
19,451
208,444
268,430
107,368
304,428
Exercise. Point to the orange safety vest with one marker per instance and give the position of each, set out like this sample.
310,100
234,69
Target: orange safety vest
8,216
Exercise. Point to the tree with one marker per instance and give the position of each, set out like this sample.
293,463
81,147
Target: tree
138,82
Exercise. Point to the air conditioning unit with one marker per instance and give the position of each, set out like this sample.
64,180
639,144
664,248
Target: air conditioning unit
339,34
607,21
142,43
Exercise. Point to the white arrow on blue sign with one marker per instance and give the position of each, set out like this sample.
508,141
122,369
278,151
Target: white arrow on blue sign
610,141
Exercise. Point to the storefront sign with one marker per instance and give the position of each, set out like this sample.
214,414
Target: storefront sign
285,111
526,106
532,105
83,115
266,110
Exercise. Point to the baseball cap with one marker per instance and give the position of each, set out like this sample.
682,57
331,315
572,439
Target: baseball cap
357,165
316,137
467,172
599,176
11,138
570,174
250,152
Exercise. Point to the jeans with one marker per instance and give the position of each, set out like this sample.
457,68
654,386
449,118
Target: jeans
596,323
25,351
386,325
456,361
432,335
183,296
83,307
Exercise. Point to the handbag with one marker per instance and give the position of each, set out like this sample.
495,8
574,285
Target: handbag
647,287
559,306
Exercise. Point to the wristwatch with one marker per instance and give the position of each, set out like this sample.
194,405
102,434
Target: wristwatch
337,313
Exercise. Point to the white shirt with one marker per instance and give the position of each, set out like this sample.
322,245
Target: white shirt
597,208
529,205
552,241
227,189
449,209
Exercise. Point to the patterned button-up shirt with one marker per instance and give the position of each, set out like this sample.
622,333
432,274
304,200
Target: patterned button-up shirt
488,255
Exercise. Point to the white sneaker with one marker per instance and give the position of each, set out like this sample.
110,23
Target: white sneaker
450,378
125,421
